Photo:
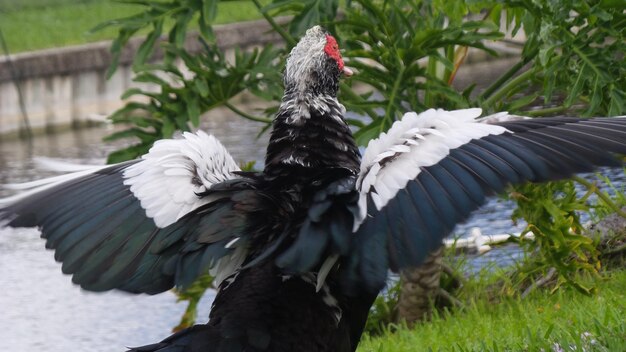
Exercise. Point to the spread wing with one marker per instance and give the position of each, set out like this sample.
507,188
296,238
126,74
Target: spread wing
431,170
146,225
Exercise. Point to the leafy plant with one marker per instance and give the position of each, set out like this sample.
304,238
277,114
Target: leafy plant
575,48
155,16
179,101
552,215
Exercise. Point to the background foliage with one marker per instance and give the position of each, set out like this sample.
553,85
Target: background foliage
407,54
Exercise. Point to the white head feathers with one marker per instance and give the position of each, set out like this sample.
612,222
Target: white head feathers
305,57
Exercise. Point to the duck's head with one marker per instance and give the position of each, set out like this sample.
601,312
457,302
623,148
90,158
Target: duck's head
315,64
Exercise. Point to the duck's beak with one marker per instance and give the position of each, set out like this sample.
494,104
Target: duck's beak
347,72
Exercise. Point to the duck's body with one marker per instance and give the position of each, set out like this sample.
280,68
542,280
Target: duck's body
264,310
300,250
311,149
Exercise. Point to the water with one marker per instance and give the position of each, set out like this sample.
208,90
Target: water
40,309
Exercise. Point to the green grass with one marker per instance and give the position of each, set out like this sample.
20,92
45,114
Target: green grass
38,24
567,318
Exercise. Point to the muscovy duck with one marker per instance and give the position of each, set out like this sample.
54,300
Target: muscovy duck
300,250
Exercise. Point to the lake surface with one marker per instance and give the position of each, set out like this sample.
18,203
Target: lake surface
41,310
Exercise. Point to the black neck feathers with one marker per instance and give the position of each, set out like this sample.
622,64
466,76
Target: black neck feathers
310,135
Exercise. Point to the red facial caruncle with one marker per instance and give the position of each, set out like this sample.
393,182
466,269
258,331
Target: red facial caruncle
332,49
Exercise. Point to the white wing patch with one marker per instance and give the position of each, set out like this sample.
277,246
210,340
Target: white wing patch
174,171
415,141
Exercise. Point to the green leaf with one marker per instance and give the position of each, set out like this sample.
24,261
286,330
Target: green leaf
205,29
596,96
179,32
617,106
454,9
202,87
193,110
168,128
142,121
209,11
130,92
115,60
577,87
149,77
371,131
522,102
143,135
314,12
129,153
128,108
146,48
